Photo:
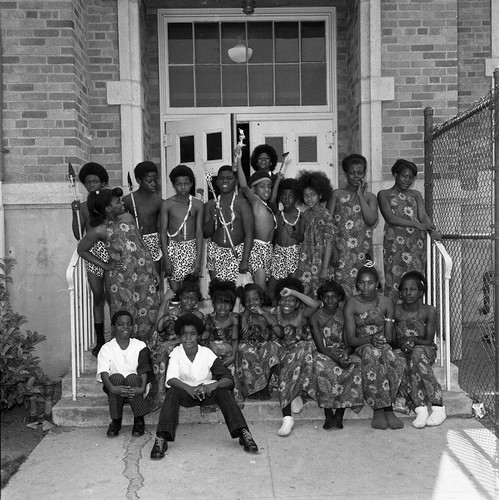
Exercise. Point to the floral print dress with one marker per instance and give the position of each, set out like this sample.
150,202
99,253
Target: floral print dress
403,247
319,228
337,387
219,339
132,288
257,353
296,369
353,240
419,381
161,345
382,369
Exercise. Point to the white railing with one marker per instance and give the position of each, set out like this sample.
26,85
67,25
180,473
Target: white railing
80,302
438,275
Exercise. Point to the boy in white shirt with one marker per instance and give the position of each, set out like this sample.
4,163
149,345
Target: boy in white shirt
124,367
197,377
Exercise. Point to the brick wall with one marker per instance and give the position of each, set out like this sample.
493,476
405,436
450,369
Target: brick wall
57,56
419,50
473,35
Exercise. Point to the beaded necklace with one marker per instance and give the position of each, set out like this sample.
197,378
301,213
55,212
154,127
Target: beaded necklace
290,223
227,225
184,222
272,212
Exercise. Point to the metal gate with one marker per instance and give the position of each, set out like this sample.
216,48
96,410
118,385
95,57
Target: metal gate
459,192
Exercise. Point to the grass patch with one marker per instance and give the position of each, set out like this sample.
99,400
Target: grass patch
10,467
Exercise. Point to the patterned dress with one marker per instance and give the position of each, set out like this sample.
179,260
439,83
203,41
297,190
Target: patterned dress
382,369
161,345
353,240
220,339
403,247
319,228
256,355
132,287
419,381
296,369
337,387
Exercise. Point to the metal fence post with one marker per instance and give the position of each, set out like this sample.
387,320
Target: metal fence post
428,161
496,239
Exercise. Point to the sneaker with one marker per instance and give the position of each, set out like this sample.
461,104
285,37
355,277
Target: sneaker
114,429
159,448
139,427
246,440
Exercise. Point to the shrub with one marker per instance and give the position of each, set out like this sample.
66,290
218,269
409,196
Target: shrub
20,372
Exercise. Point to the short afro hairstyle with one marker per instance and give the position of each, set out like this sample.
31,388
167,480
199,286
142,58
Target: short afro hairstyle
190,284
400,164
182,171
316,180
353,159
187,320
289,282
222,289
263,148
143,168
116,315
93,168
285,185
331,286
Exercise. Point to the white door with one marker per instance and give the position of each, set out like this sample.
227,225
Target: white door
311,144
203,144
200,143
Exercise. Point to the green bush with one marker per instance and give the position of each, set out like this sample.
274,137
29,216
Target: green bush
20,373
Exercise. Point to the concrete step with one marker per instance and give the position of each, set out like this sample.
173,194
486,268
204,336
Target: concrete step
93,411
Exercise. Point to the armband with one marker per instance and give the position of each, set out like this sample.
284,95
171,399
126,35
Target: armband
390,320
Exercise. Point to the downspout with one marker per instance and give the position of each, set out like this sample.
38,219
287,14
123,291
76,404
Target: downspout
2,164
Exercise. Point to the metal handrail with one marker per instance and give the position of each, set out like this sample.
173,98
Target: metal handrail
81,315
439,264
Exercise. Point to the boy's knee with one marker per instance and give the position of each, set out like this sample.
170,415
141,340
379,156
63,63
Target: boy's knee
117,379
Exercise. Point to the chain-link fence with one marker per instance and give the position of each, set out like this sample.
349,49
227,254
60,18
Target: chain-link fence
459,193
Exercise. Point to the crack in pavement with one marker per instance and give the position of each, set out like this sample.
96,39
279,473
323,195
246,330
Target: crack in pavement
133,447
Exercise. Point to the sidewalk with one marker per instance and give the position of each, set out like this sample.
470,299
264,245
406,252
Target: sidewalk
458,460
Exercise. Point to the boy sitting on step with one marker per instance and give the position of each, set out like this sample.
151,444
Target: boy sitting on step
124,367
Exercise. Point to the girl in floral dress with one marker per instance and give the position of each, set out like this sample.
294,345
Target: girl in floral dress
406,224
355,212
258,351
164,339
369,322
415,325
129,276
317,247
337,371
296,367
221,333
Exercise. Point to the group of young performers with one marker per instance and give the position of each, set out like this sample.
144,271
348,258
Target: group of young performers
314,323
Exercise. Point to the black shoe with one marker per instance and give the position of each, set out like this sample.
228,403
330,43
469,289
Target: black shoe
114,429
139,427
159,448
246,440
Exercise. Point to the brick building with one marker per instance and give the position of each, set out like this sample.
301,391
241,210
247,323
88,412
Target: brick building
120,81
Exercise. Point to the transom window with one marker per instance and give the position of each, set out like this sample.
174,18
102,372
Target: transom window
260,62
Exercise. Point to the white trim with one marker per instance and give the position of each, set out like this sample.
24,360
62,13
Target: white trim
326,14
128,92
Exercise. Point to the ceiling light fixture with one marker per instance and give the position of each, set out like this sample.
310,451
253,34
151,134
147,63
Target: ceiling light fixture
240,53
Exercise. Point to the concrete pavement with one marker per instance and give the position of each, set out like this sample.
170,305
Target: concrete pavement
458,460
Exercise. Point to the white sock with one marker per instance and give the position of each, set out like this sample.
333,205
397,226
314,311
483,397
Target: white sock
421,417
437,416
287,425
